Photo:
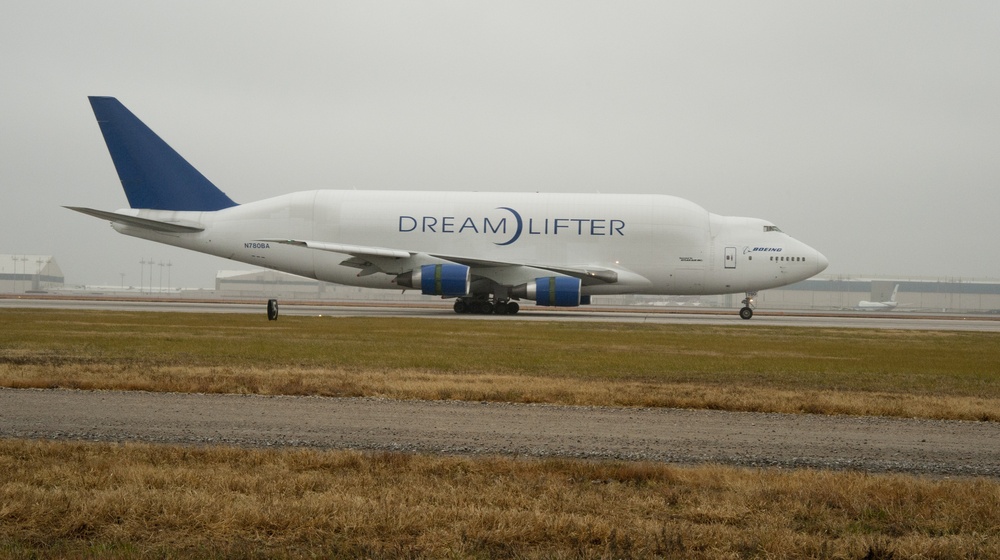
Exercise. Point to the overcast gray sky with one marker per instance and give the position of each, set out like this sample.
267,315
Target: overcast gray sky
869,130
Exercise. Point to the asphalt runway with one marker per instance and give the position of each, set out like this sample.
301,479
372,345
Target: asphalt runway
852,320
942,448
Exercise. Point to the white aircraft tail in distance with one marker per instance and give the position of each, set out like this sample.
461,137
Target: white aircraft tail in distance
888,305
487,250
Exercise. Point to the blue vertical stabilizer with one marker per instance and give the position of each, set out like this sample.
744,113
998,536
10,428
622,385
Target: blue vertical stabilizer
153,175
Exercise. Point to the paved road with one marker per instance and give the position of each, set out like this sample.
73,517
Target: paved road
668,435
983,323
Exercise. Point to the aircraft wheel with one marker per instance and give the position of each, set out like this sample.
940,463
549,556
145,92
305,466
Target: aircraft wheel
513,308
483,307
500,308
461,306
272,310
746,313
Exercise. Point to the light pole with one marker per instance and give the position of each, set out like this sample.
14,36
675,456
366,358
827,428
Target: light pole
37,285
24,265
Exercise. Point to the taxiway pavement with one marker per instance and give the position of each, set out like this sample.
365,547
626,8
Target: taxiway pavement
454,427
906,321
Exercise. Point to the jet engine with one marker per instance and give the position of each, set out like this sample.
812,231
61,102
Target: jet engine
561,291
437,279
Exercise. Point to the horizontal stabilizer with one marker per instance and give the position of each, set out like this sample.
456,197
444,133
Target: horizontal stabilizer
144,223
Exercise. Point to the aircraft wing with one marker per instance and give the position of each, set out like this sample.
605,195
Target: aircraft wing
373,259
588,274
353,250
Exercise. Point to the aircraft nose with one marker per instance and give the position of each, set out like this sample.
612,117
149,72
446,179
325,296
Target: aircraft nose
821,262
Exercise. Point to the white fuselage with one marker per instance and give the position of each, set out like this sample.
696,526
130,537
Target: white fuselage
876,305
657,244
880,305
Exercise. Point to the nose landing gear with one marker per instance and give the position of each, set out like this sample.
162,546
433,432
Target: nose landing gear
747,311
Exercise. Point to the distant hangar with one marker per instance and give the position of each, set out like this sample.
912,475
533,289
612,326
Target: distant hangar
840,293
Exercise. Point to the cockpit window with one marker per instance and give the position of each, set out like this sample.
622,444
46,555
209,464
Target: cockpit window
772,228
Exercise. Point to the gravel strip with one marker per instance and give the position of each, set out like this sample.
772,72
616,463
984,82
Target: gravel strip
949,448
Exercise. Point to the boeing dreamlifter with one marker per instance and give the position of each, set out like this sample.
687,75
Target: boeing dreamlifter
486,250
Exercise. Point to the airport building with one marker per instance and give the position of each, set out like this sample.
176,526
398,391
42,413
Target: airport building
244,284
26,274
21,274
943,295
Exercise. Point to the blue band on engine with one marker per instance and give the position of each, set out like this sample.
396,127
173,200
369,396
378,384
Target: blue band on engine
444,279
559,291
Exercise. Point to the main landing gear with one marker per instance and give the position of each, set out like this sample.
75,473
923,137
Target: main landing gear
483,306
747,311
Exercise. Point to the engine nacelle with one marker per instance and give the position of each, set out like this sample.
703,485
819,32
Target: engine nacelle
560,291
438,279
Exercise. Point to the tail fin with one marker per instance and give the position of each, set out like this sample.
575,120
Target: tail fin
153,175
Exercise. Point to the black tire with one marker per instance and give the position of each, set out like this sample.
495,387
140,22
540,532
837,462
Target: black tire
272,310
500,308
483,307
513,308
461,306
746,313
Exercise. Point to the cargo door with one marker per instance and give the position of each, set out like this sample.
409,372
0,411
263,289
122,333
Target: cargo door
730,257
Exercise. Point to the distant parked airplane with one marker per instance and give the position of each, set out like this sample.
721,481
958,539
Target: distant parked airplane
487,250
879,305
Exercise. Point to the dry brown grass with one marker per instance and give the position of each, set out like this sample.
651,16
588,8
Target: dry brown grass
948,375
430,385
124,501
103,500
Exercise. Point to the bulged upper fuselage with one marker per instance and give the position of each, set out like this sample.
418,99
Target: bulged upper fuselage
658,244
